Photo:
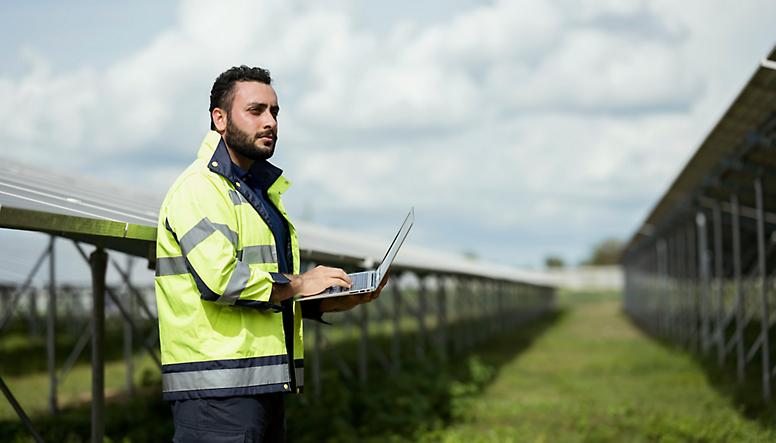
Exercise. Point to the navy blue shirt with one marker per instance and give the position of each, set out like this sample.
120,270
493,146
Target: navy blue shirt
259,178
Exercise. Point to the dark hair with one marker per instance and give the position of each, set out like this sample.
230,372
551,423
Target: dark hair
222,94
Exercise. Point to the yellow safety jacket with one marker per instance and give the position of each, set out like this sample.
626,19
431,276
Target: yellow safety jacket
216,263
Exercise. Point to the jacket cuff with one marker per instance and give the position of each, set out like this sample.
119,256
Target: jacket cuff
279,278
312,310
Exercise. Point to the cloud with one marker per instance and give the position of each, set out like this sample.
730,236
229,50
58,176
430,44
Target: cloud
529,117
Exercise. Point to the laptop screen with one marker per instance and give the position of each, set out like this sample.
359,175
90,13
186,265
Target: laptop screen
395,245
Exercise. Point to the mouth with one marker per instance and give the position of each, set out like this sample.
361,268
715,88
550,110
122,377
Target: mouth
266,137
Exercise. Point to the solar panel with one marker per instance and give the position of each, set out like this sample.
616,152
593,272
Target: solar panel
99,213
754,106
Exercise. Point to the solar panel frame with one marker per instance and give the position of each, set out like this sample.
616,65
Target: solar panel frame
101,214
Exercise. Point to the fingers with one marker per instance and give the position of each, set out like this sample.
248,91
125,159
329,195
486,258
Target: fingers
338,277
322,277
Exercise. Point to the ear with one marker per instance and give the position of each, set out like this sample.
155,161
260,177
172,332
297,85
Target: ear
219,119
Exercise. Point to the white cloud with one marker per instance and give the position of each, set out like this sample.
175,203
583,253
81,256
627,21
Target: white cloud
540,116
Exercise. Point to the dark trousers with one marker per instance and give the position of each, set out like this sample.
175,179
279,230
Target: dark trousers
254,419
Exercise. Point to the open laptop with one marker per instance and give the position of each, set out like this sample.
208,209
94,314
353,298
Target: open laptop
368,281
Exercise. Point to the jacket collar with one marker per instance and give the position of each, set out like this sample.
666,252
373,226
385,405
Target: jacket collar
213,150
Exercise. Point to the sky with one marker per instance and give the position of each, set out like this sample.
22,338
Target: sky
517,129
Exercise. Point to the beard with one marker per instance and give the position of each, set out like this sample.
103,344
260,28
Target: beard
245,144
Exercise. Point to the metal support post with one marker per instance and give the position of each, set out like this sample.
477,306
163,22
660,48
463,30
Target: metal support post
454,317
421,316
98,261
663,297
765,348
468,312
720,285
33,313
363,343
128,336
704,268
680,287
397,307
51,329
692,288
442,316
499,309
739,304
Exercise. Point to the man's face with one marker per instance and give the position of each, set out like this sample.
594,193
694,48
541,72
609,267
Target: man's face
251,123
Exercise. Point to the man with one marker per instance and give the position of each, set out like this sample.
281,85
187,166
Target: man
227,272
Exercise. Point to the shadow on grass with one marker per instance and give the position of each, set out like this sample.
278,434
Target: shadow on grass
745,396
142,418
392,405
399,406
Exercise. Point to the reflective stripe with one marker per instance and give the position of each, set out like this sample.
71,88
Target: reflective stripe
236,197
171,266
237,283
258,254
202,230
299,376
224,378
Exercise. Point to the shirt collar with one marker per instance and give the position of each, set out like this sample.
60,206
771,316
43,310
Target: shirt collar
263,172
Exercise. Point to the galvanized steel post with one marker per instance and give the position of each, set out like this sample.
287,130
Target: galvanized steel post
692,274
739,304
420,312
98,261
662,300
765,348
363,343
442,317
51,328
128,336
396,320
704,268
719,330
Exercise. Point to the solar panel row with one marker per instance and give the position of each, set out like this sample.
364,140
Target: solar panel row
729,158
99,213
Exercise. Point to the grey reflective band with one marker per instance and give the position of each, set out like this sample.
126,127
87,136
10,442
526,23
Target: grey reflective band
237,283
299,376
171,266
202,230
258,254
236,197
225,378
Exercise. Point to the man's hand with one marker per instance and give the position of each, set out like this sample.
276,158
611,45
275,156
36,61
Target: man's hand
311,282
347,302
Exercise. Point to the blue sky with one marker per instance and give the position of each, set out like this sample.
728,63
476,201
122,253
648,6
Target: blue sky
517,129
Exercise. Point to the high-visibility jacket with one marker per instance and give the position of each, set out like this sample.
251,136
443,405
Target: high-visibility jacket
216,263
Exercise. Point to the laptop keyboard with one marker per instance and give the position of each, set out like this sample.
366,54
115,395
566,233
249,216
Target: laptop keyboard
361,280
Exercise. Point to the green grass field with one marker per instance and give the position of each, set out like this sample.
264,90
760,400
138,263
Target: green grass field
585,374
594,377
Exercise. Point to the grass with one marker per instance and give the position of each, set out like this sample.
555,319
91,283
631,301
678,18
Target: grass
586,374
32,391
594,377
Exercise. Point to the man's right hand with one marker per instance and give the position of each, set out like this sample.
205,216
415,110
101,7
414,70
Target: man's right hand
312,282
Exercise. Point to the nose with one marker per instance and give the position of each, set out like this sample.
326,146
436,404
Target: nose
269,121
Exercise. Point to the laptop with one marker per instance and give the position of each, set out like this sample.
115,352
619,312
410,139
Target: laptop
369,281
